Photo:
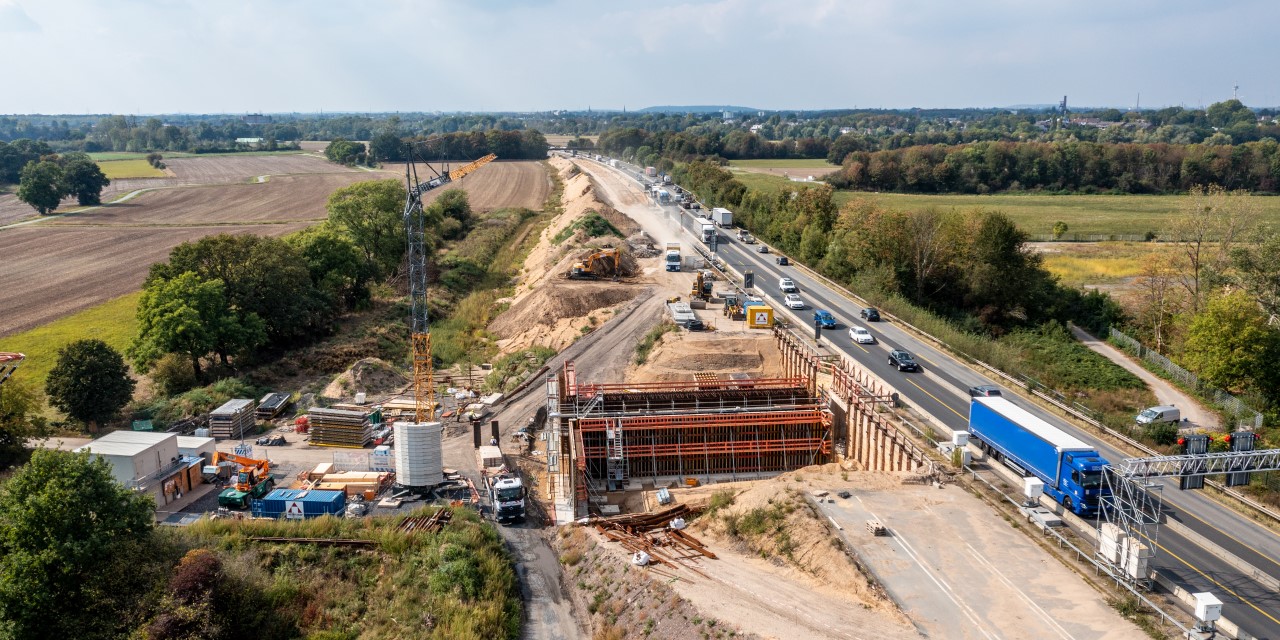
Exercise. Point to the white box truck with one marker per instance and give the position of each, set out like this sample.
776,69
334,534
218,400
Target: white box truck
722,217
673,256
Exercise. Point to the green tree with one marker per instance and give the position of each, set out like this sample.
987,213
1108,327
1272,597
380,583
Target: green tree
62,518
83,179
1059,230
1259,271
20,419
344,151
90,382
337,267
189,316
372,215
1230,345
388,147
41,186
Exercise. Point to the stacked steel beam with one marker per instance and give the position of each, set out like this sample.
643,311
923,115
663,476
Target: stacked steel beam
340,428
233,419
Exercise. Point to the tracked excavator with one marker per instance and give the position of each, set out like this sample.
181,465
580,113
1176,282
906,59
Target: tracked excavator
701,287
601,264
253,480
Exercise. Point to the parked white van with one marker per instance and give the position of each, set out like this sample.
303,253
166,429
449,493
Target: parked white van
1164,413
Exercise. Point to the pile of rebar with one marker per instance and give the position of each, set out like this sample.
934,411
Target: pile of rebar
667,548
427,524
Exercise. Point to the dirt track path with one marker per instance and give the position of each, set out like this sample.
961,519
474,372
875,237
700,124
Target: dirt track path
1195,413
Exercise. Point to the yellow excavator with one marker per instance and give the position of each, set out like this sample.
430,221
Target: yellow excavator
701,287
601,264
253,480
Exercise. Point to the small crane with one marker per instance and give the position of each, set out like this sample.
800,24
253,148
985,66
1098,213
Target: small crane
9,363
415,231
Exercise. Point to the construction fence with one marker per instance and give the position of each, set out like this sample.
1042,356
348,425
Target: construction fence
1245,415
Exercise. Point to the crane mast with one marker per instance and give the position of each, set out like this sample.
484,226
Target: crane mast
415,223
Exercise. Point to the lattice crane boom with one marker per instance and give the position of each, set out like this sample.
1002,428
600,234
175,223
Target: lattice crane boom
419,323
8,363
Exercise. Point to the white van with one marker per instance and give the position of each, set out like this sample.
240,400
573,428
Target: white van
1155,415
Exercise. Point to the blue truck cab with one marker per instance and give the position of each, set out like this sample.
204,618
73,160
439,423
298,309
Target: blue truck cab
1070,469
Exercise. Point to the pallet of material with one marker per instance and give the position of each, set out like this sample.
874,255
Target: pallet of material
233,419
272,405
340,428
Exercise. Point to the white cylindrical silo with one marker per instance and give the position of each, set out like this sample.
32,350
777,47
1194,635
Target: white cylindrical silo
418,454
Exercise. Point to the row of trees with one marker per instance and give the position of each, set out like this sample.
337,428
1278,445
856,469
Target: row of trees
529,144
44,183
1063,166
973,264
223,299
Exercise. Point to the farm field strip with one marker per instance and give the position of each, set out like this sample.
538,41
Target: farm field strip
135,168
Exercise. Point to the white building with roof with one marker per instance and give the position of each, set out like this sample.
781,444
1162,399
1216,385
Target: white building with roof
151,462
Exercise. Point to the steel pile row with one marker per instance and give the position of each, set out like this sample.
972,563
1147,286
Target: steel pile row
340,428
428,524
232,420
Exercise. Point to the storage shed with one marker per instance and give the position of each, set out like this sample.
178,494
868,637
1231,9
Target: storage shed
299,504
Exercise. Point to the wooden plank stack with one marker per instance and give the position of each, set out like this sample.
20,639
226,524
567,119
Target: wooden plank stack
340,428
233,419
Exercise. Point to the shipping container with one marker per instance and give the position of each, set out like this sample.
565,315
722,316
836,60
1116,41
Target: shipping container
299,504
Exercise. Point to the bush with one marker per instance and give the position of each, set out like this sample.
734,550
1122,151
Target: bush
1163,433
173,374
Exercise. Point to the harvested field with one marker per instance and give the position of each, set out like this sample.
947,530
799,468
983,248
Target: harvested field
223,169
287,198
314,146
54,270
137,168
787,168
497,185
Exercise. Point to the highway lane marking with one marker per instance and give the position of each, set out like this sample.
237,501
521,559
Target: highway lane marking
1185,511
1206,577
1009,583
936,399
942,584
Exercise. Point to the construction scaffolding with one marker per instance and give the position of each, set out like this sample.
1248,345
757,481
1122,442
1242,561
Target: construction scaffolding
602,437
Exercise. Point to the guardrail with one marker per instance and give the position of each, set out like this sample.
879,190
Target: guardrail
1229,492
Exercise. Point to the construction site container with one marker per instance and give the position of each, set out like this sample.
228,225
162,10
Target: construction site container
298,504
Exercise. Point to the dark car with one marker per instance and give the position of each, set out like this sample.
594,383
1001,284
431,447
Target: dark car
870,314
782,261
903,360
984,391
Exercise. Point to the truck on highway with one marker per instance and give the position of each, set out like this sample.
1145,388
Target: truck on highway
666,179
673,256
652,172
613,162
1070,469
722,217
505,489
708,232
664,196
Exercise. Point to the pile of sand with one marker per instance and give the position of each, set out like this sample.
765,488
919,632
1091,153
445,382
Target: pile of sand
681,354
812,556
370,375
557,313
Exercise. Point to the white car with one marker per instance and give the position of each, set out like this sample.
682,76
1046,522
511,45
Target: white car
793,301
861,335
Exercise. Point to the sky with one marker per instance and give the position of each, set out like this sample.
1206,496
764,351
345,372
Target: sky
275,56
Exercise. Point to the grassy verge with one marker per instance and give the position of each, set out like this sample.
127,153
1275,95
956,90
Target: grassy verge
113,322
651,340
459,582
133,168
786,163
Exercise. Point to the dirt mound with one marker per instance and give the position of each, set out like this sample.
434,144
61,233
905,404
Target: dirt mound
772,520
682,354
370,375
558,313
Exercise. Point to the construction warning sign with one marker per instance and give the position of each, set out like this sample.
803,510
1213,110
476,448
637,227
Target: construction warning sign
294,510
759,317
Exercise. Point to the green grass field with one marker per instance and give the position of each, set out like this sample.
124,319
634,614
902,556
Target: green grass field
136,168
113,322
1035,214
789,163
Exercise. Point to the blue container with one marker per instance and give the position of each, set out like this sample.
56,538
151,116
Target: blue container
299,504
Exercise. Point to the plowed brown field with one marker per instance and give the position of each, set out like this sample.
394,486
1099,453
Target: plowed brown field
51,271
73,262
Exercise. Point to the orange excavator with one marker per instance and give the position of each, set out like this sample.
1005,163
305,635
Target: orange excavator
253,480
601,264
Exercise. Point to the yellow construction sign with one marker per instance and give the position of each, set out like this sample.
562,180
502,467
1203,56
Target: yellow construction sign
759,317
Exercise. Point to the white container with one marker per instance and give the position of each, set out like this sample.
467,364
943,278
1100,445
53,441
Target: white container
418,454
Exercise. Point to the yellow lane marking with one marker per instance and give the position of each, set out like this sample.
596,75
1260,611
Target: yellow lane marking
1220,585
1182,510
939,401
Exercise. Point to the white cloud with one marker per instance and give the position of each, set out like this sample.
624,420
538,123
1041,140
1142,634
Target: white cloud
14,20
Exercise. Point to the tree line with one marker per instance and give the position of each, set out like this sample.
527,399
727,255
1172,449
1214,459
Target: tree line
974,266
44,183
529,144
987,167
228,300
